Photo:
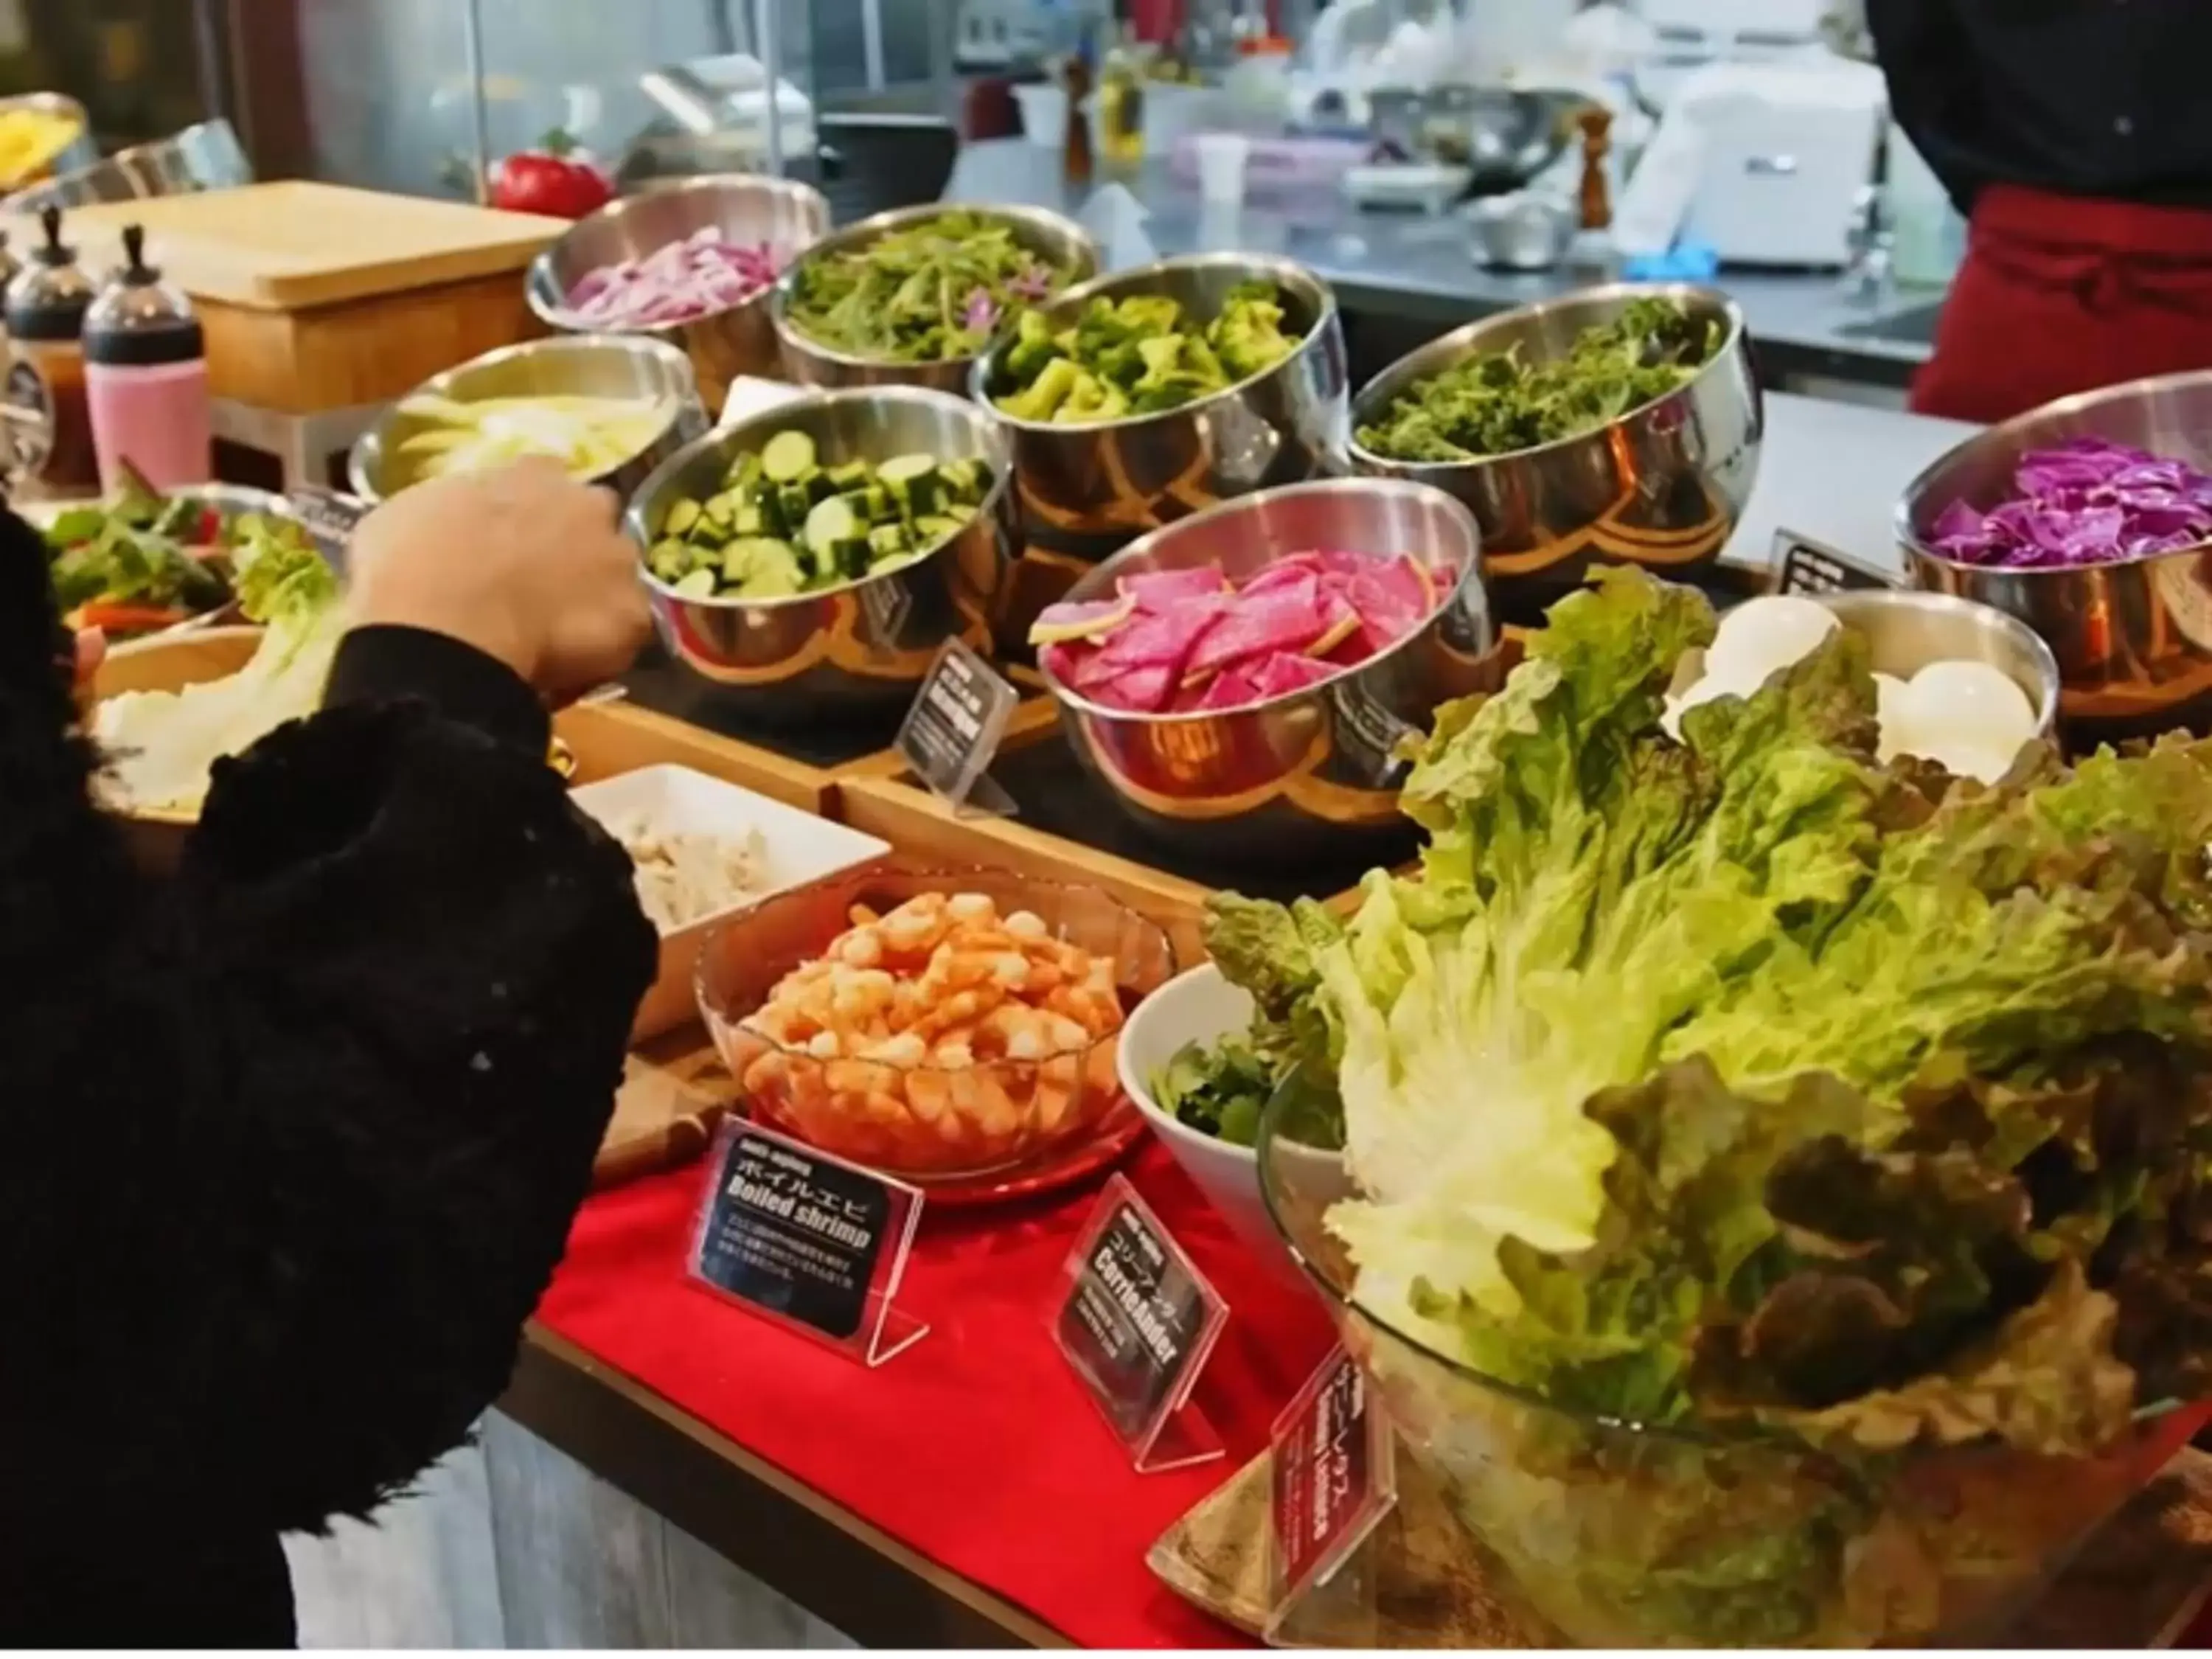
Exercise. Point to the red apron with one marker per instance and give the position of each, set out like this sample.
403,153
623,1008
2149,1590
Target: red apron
2063,294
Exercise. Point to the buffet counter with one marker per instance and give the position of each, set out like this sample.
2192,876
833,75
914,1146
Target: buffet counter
967,1492
1416,269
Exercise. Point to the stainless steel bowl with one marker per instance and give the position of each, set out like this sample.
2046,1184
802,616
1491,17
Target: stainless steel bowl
229,498
1521,232
738,340
1311,775
1661,486
2133,640
1906,631
1087,491
853,650
207,156
572,364
809,362
1505,135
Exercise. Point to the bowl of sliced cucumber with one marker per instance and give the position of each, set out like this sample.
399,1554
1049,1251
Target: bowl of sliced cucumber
812,559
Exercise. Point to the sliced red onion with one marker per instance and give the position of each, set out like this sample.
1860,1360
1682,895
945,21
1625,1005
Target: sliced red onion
704,273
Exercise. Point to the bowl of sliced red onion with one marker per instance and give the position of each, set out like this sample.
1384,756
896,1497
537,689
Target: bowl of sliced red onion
691,263
2089,520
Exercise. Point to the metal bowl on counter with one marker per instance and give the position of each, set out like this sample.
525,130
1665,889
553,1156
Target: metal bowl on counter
1505,135
2132,638
207,156
571,366
1905,631
866,647
1661,485
1312,775
230,499
809,361
748,207
1087,490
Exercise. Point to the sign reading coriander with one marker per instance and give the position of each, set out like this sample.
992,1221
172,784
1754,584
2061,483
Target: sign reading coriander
1136,1319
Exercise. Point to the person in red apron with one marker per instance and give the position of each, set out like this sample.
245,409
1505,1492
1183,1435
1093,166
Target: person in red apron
2076,137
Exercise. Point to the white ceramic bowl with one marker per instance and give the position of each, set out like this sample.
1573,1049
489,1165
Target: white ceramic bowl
1199,1005
797,846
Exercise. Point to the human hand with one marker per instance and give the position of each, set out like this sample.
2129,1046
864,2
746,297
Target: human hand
521,561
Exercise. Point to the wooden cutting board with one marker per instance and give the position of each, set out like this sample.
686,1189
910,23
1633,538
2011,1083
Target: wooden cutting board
296,245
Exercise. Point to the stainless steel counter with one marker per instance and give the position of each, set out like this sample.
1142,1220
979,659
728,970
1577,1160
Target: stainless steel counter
1416,268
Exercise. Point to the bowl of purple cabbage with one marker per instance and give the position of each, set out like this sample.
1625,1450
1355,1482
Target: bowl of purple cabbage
691,263
2090,520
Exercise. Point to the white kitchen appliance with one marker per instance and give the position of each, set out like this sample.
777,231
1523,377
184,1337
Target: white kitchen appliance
1782,152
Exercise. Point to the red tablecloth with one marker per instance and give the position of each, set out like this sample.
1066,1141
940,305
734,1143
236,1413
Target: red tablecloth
977,1447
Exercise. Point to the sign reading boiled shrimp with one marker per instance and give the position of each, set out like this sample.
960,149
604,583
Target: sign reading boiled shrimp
812,1241
1136,1319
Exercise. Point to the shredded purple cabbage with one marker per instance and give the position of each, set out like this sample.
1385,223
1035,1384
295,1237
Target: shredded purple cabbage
2089,502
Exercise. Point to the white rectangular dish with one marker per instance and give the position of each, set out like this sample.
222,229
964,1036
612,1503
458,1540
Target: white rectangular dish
796,848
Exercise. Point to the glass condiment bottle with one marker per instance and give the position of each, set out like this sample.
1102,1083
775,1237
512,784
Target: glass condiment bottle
1075,159
145,379
48,426
1121,104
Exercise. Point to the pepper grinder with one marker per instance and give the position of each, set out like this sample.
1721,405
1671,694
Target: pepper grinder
145,379
48,429
1592,254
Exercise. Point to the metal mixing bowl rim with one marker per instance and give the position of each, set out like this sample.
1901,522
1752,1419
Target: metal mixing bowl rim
556,344
1737,330
705,184
1002,478
2005,432
979,377
2047,692
878,225
1471,572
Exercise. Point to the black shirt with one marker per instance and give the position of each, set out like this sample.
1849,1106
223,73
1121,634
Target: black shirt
2099,98
294,1132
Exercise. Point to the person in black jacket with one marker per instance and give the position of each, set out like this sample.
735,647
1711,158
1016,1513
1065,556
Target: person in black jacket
290,1140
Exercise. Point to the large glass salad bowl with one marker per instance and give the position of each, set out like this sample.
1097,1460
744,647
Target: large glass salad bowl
1598,1533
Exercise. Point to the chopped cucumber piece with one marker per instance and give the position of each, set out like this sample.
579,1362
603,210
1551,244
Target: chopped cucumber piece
681,518
887,541
787,457
696,585
669,559
832,521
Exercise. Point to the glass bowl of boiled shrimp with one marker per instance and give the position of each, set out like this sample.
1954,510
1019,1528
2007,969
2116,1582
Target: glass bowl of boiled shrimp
934,1024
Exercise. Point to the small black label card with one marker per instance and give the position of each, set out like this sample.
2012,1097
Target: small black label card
1136,1319
330,512
1810,568
796,1234
959,717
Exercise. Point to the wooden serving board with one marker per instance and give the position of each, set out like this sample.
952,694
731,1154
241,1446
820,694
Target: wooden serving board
297,245
2138,1583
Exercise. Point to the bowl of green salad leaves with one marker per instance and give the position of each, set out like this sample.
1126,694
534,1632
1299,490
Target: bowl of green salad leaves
1620,424
1203,1055
912,297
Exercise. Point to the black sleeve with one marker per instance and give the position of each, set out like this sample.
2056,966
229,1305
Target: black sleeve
295,1137
1929,65
386,664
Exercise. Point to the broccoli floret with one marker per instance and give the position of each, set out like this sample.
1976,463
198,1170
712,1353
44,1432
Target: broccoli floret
1044,396
1150,313
1178,369
1032,349
1248,336
1094,399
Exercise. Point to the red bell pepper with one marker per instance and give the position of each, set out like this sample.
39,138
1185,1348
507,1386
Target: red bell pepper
556,179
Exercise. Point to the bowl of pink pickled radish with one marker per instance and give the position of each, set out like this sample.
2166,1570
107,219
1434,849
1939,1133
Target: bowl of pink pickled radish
691,263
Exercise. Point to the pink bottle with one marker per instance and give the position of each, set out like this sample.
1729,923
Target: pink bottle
146,380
